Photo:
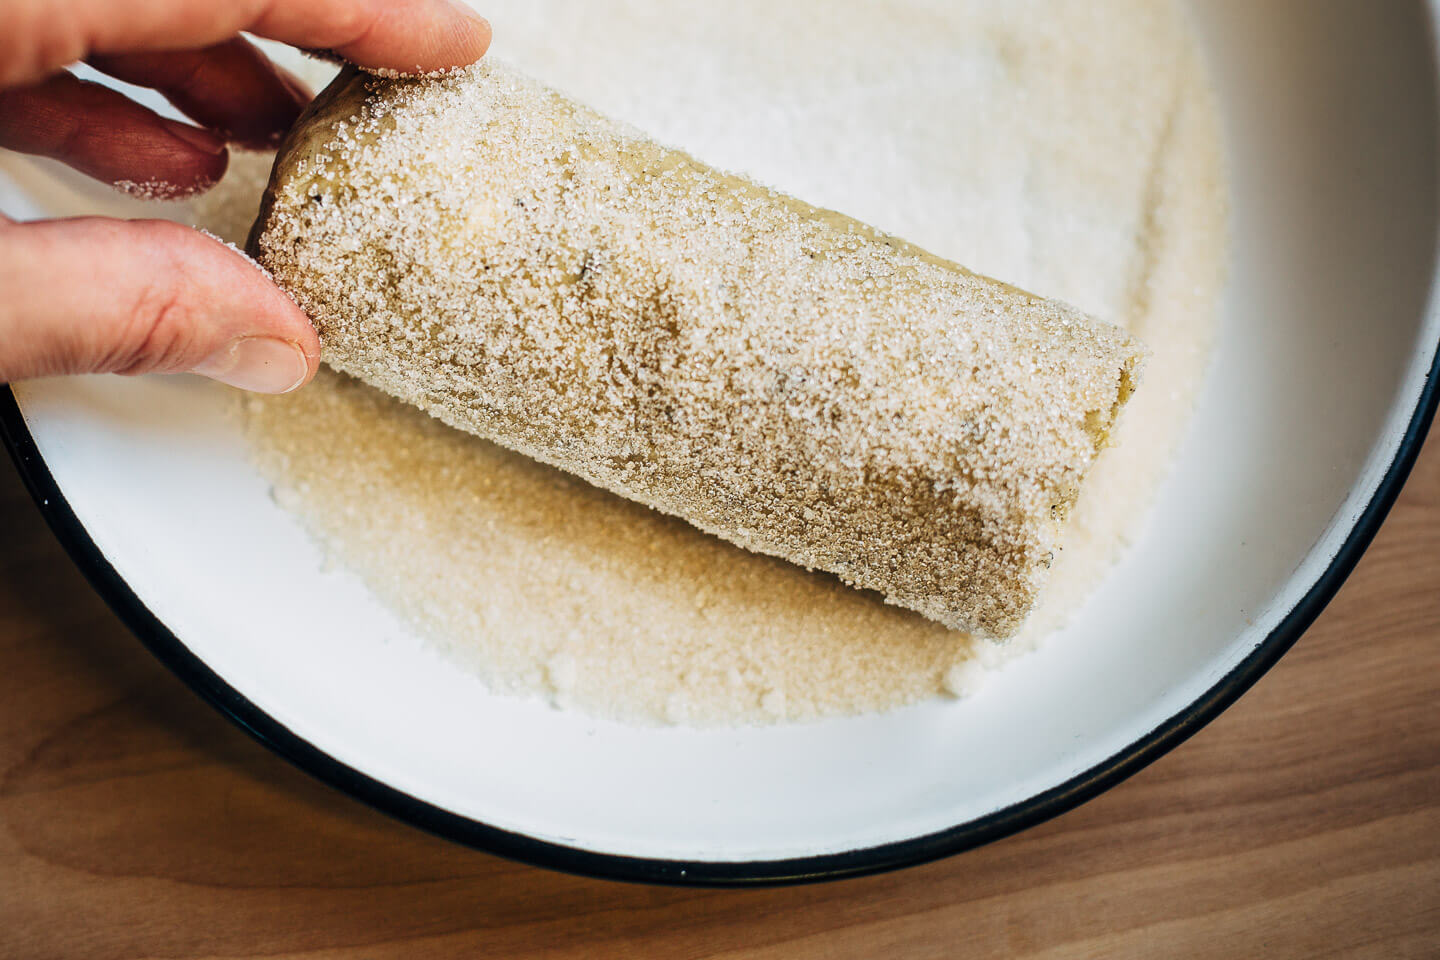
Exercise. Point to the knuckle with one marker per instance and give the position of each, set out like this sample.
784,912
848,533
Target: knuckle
158,335
160,330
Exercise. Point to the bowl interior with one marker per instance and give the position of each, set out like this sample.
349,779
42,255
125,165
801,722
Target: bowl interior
1330,115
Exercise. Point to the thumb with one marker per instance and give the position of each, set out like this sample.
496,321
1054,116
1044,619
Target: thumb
92,295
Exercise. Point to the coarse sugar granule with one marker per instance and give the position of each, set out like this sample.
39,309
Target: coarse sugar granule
1098,180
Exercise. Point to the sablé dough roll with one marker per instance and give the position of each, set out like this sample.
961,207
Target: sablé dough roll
779,375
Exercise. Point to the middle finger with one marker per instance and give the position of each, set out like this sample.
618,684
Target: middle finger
231,87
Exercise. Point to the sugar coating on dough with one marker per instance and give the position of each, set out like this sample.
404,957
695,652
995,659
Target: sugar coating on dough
784,377
781,376
1100,180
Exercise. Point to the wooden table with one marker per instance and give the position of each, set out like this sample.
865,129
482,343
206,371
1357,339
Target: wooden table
1305,822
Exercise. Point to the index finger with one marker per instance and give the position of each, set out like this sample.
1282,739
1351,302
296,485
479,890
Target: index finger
410,36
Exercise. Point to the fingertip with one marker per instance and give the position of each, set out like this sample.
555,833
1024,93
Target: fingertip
174,168
421,37
110,137
259,365
199,163
462,39
262,308
274,349
312,368
473,36
307,341
446,35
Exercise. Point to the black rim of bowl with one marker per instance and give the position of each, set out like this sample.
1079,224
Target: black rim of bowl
890,856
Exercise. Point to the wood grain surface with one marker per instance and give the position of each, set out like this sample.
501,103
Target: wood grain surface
1305,822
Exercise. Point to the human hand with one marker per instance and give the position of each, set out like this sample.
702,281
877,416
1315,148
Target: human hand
95,295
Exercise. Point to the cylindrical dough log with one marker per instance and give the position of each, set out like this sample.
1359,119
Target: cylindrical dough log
779,375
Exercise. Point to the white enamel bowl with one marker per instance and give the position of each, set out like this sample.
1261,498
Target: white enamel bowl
1320,393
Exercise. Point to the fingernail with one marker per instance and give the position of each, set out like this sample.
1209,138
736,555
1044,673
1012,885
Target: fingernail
202,140
258,364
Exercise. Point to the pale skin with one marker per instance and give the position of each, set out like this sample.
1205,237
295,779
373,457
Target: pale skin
96,295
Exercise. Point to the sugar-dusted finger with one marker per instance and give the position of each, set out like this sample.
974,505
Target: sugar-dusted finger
106,135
